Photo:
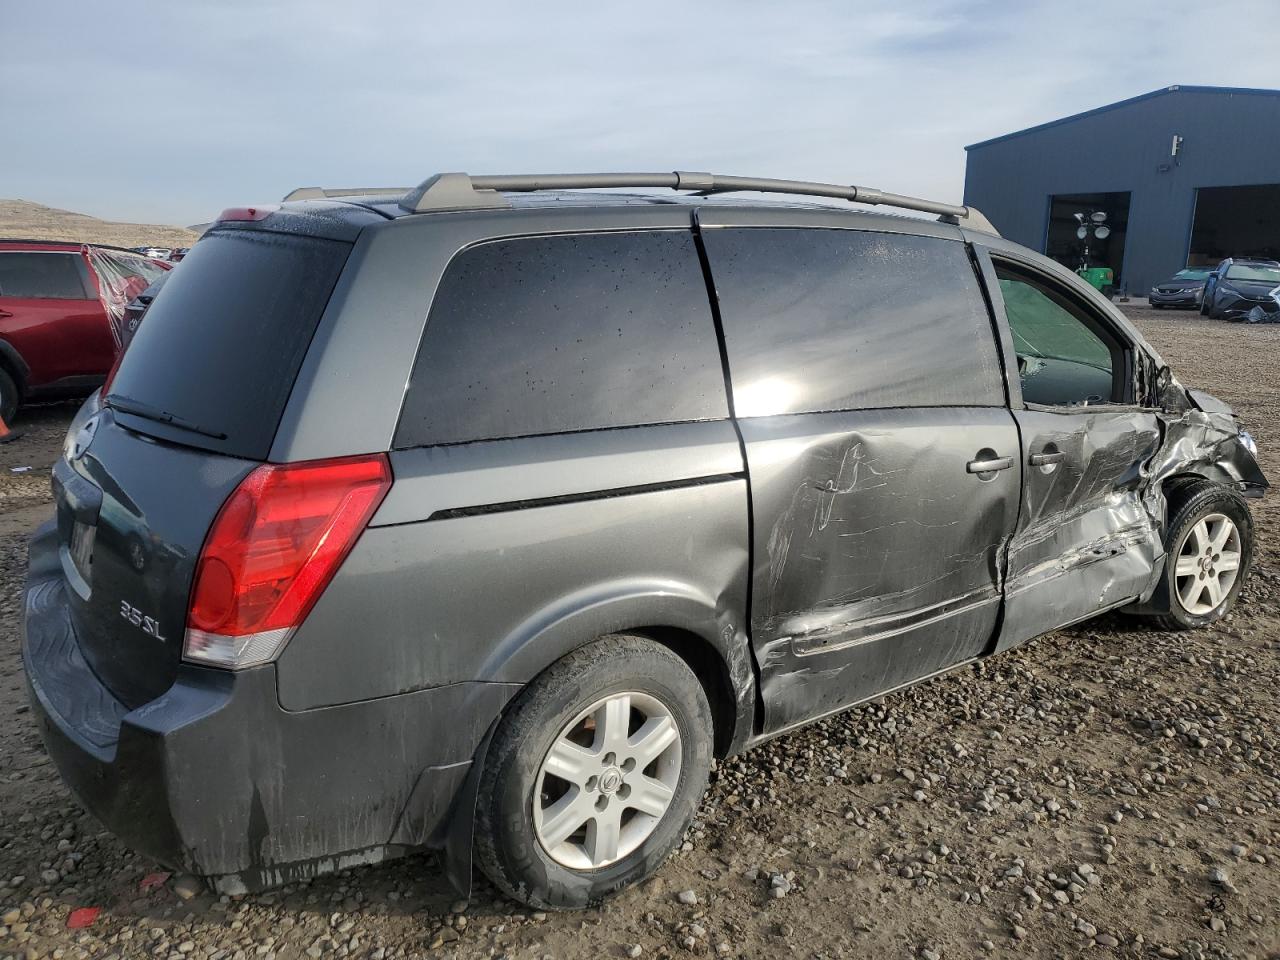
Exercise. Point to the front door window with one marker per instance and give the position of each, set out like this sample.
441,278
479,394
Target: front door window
1065,357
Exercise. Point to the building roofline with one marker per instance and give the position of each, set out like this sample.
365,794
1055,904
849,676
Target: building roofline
1176,88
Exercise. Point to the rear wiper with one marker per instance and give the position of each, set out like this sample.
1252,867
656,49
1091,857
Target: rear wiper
139,409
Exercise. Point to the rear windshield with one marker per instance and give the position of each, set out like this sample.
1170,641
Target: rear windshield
221,345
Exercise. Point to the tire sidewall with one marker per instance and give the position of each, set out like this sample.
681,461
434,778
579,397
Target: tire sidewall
9,397
1212,499
531,873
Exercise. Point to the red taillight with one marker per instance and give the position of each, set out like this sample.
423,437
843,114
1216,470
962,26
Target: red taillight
247,213
273,548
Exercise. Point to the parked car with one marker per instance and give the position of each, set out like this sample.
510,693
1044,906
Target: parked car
1236,285
178,253
57,305
458,518
1183,289
154,253
137,307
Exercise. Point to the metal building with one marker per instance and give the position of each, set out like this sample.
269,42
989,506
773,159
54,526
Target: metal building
1185,176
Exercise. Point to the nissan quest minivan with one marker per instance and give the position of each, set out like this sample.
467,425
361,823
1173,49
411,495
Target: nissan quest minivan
484,515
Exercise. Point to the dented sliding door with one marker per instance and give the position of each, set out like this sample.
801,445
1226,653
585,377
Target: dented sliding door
883,463
877,548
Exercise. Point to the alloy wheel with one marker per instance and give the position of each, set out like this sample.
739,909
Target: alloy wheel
607,780
1207,564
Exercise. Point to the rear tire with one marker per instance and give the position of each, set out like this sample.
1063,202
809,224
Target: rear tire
1202,578
571,753
9,397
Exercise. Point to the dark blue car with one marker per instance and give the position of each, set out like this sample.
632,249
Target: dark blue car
1237,285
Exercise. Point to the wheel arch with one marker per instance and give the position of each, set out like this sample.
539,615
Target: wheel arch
1179,485
707,664
708,636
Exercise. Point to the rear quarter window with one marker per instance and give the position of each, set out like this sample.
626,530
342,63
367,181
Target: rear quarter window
823,320
35,275
539,335
222,344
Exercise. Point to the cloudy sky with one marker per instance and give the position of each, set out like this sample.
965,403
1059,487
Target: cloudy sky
169,111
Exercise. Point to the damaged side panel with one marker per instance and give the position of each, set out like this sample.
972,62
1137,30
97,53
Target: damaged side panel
1090,532
1202,437
877,553
1085,540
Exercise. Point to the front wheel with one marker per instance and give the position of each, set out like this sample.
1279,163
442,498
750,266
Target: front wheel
1209,542
594,774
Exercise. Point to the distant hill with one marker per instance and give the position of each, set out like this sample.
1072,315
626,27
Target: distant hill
35,221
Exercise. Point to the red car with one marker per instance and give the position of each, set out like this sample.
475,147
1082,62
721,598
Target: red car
62,310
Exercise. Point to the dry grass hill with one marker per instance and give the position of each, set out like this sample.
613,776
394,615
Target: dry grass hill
35,221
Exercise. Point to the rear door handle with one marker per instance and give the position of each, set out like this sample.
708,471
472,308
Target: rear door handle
4,314
990,465
1046,459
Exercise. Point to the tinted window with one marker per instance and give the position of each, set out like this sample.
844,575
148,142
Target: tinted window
221,346
552,334
49,275
1064,357
841,320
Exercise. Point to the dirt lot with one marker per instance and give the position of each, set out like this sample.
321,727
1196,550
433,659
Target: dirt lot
1107,788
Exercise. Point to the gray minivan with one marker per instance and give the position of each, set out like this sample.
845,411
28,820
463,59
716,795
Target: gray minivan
484,515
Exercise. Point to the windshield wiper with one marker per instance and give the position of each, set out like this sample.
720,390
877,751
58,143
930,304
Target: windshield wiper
139,409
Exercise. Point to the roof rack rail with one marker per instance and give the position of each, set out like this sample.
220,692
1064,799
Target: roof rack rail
322,193
460,191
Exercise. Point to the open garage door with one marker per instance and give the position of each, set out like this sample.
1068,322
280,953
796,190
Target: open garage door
1235,222
1064,245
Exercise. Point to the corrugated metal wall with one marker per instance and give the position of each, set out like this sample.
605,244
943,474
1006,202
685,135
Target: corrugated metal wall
1231,137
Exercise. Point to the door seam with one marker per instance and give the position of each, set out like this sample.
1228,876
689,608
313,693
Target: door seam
713,300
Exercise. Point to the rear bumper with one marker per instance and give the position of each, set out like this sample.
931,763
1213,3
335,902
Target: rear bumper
215,778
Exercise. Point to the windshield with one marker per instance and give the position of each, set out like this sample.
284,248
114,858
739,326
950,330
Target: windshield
1191,275
1264,274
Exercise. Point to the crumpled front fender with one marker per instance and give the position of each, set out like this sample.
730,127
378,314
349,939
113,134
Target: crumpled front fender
1204,439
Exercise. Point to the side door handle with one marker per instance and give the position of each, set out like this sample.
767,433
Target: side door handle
4,314
989,464
1047,459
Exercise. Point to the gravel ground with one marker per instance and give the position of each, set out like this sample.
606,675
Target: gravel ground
1107,787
